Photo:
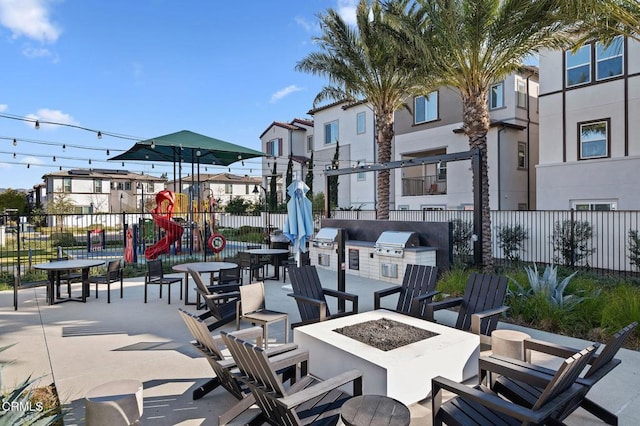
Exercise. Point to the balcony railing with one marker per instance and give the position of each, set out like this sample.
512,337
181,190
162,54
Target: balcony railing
426,185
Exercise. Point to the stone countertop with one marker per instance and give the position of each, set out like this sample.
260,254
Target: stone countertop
371,244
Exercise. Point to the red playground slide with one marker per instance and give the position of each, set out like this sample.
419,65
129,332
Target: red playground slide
163,219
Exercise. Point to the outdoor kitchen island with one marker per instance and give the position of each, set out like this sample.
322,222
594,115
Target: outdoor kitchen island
403,373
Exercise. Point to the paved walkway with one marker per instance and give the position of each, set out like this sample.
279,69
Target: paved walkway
80,346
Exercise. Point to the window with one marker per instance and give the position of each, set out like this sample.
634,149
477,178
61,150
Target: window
331,132
496,96
609,59
127,186
274,147
97,186
426,108
432,208
66,185
522,155
522,93
594,205
150,188
228,188
403,207
361,122
120,186
361,175
578,66
310,143
594,139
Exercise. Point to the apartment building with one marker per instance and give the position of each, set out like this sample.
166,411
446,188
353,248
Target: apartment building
223,187
433,127
589,127
102,190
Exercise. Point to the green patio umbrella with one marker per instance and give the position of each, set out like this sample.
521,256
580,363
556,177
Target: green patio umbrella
189,147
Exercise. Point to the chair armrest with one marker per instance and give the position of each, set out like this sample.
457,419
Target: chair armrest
549,348
436,306
280,349
290,358
421,300
223,288
530,374
321,388
353,298
245,334
222,296
476,319
322,305
377,295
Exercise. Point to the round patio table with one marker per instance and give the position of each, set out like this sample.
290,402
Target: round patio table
274,255
54,269
365,410
201,267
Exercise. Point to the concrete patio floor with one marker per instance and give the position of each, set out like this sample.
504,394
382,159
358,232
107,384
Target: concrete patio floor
80,346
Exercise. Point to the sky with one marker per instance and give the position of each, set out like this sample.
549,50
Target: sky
146,68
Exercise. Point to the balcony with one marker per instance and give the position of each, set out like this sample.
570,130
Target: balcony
426,185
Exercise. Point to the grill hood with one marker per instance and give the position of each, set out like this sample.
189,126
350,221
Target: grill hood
398,239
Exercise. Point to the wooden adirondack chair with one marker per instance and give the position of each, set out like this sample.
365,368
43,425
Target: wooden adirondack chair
480,306
221,305
306,402
525,394
418,288
310,296
224,367
480,406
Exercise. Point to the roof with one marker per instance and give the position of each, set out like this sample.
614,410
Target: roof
222,178
289,126
111,174
347,104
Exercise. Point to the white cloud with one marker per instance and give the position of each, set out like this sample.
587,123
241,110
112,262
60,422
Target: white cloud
29,18
309,27
51,115
284,92
347,11
3,107
36,52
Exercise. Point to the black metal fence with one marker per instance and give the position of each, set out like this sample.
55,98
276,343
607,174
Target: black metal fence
602,241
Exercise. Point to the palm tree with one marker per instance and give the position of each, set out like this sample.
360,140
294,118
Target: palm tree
469,45
361,63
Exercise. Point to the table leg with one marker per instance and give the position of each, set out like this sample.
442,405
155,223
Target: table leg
186,290
85,284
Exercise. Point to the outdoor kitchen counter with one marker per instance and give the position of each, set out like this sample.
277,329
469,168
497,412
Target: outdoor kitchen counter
371,244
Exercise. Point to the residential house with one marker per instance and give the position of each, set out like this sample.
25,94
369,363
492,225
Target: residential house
102,190
589,127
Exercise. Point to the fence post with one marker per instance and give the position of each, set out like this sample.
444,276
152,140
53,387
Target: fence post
572,239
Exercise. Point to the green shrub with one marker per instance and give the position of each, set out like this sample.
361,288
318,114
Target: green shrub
63,239
621,307
634,248
461,241
452,283
571,242
511,239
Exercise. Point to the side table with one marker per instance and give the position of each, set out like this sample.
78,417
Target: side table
509,343
366,410
114,404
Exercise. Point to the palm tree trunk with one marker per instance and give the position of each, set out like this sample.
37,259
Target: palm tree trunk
476,125
384,135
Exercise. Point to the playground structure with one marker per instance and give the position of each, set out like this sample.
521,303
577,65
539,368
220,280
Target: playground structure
161,214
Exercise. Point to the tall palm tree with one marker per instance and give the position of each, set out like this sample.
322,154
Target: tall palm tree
471,44
361,63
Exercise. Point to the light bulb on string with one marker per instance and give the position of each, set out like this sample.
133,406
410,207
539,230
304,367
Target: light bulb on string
152,166
14,155
54,158
107,152
28,165
64,147
89,160
37,125
15,142
123,164
242,163
60,168
99,134
153,144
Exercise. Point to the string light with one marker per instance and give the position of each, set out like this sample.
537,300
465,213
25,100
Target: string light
54,158
37,125
14,155
99,134
107,152
64,147
28,165
89,160
15,142
153,144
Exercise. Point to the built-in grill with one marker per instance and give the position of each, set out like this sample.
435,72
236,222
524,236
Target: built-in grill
325,237
393,243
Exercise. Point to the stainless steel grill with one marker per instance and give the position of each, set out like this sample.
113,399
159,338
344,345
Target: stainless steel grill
325,238
393,243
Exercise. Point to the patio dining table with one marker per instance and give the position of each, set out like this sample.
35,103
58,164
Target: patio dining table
210,267
274,253
56,267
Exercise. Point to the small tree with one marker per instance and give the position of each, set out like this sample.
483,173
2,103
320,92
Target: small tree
462,233
309,177
237,206
571,241
333,180
634,248
273,189
511,239
289,177
60,205
12,199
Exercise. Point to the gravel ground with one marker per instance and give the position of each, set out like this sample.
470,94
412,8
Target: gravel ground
385,334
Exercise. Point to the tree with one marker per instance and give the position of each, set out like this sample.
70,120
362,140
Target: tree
362,63
289,177
61,204
309,177
12,199
273,189
468,45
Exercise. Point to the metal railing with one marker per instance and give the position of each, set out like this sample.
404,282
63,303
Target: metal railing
426,185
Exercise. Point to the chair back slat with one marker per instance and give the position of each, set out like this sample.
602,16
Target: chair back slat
154,270
612,347
230,276
483,292
114,270
200,285
566,376
306,282
418,280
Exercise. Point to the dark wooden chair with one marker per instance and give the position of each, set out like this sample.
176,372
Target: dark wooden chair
221,306
112,275
525,394
480,306
480,406
417,289
308,401
65,277
227,276
155,276
311,297
291,261
252,264
224,367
